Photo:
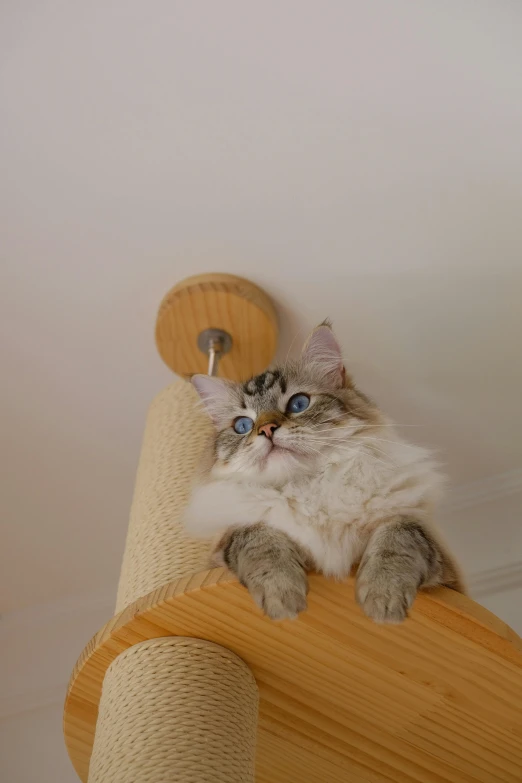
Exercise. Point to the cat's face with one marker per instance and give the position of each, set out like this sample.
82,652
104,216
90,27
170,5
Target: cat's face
279,424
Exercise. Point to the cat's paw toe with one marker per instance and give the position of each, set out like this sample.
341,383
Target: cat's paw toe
385,605
281,603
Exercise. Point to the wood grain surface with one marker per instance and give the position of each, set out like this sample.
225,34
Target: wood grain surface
217,301
438,698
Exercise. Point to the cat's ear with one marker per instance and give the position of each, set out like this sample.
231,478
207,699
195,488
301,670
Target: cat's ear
214,393
323,350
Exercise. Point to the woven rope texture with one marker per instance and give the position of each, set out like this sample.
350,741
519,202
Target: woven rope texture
176,710
157,550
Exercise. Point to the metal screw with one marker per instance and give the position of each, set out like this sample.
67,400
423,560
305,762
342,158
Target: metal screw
215,343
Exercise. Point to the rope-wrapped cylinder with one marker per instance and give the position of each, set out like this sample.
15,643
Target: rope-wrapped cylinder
157,549
171,710
176,711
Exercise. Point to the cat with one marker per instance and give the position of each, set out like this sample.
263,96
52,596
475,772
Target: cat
307,474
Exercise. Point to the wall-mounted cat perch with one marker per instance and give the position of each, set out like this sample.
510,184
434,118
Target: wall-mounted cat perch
219,314
190,683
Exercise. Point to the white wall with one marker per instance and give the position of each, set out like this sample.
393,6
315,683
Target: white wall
32,748
38,648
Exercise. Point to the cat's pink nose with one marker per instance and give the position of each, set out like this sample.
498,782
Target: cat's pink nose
267,429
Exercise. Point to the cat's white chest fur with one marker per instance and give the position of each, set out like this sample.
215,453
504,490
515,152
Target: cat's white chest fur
331,512
325,517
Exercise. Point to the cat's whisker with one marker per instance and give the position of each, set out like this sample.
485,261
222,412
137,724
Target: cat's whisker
359,433
344,447
383,440
394,425
339,417
319,428
285,365
362,429
350,450
378,426
348,430
317,414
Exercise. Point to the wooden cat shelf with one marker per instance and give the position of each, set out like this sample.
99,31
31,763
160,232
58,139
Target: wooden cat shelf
341,698
190,683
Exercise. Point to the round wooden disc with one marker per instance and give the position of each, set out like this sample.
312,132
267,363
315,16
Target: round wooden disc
217,301
438,698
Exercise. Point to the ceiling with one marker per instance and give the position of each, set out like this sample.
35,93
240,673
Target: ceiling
357,160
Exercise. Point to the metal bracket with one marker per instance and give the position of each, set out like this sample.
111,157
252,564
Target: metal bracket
215,343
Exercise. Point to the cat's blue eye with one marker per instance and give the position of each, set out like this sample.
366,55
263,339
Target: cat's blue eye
243,424
298,403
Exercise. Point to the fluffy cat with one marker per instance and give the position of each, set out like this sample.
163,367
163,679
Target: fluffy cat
307,474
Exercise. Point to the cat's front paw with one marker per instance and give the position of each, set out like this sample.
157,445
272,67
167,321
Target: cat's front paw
385,602
280,596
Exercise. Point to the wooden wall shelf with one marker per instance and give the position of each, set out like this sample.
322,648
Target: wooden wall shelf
436,699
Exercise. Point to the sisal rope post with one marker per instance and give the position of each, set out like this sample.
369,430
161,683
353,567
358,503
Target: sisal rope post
189,716
157,549
172,710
